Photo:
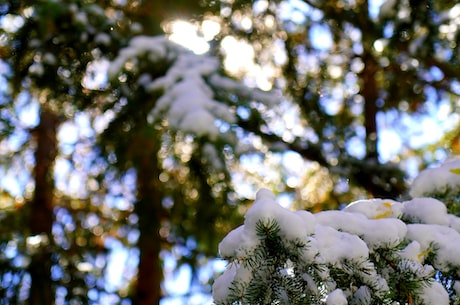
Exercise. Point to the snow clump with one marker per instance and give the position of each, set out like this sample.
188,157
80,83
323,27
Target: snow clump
447,178
188,85
371,241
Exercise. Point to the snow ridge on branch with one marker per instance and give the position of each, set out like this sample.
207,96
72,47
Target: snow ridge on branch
375,251
188,87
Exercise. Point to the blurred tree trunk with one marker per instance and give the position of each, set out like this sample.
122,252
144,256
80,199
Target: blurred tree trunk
150,14
370,87
148,206
149,195
370,92
41,210
150,212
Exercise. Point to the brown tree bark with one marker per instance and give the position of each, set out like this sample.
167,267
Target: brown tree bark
150,213
151,14
370,93
41,209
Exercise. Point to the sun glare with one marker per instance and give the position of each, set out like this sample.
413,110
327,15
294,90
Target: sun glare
186,34
239,54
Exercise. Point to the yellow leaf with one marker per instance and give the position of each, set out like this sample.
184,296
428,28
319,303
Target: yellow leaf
455,171
423,254
386,213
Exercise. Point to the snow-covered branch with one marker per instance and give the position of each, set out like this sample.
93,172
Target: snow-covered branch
189,88
374,251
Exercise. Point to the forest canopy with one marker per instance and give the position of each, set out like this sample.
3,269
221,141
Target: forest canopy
144,129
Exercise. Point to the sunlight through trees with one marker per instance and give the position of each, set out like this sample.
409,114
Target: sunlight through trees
135,134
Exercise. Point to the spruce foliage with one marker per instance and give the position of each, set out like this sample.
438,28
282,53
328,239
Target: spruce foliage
405,255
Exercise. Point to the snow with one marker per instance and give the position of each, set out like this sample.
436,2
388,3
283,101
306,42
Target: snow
411,252
232,243
376,208
416,268
188,88
376,233
442,240
362,296
242,241
457,287
447,177
221,286
311,284
434,294
292,225
335,246
336,297
426,210
426,235
454,222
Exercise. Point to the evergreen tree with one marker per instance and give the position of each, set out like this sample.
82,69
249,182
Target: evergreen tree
173,109
376,251
353,71
156,174
48,49
178,151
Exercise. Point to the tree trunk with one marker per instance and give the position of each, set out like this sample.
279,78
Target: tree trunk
150,14
150,212
370,93
41,211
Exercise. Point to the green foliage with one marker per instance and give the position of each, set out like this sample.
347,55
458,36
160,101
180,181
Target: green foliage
46,54
46,58
334,260
451,198
343,65
276,271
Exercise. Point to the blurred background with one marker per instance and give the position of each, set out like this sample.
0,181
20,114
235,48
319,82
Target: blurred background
103,201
